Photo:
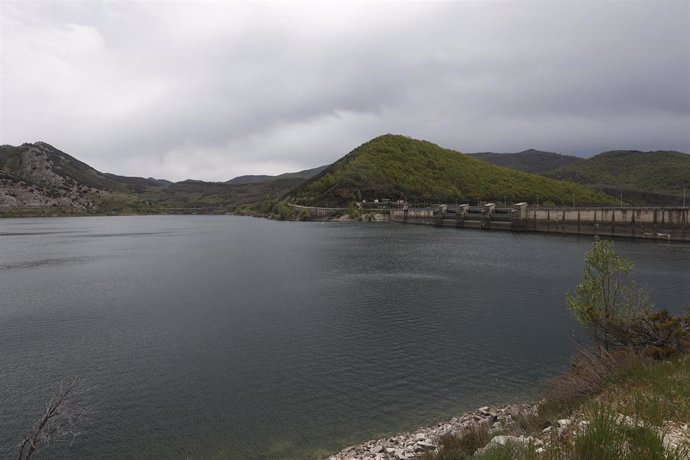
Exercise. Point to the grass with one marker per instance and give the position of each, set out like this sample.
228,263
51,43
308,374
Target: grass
610,436
654,393
509,451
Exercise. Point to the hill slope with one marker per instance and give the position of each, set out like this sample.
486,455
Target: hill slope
643,177
39,176
531,161
397,167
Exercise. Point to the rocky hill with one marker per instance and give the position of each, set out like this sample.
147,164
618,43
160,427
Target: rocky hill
39,176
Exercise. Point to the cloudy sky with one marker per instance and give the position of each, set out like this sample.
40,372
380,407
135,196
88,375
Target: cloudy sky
211,90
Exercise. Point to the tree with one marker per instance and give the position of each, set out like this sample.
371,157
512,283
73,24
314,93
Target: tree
606,295
65,413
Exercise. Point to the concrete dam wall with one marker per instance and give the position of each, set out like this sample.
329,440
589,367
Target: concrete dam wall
667,223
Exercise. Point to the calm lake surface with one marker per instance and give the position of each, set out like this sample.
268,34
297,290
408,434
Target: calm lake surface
231,337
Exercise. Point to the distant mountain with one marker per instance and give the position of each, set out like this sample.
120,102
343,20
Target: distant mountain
260,179
397,167
250,179
642,177
161,182
218,196
531,161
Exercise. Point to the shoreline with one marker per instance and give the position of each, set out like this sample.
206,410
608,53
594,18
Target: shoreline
409,445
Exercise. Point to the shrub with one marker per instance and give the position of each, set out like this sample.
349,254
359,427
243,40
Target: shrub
655,334
605,294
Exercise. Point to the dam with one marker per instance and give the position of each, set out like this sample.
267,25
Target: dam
666,223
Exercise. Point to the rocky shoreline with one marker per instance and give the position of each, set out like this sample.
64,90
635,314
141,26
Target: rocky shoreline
410,445
498,421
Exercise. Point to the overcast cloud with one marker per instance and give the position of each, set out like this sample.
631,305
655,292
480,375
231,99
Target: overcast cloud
212,90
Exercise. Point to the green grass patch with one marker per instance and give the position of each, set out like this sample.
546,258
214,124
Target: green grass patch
656,393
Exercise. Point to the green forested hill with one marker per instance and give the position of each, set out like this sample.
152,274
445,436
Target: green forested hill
642,177
531,161
397,167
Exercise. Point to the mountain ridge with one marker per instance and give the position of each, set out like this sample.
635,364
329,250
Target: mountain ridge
41,177
656,177
261,178
530,160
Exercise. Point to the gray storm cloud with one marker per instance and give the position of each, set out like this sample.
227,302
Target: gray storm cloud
212,90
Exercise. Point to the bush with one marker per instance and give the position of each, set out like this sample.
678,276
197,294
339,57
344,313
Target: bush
589,373
655,334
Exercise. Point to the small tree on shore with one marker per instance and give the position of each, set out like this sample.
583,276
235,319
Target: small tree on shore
605,293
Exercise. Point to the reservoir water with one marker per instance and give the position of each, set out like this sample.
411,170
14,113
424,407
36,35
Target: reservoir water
231,337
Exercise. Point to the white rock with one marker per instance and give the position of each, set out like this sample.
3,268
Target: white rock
503,440
564,422
426,444
627,421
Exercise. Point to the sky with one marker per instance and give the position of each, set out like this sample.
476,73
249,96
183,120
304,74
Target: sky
215,89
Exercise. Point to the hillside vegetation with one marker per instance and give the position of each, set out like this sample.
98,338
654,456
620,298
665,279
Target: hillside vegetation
643,177
400,168
531,161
